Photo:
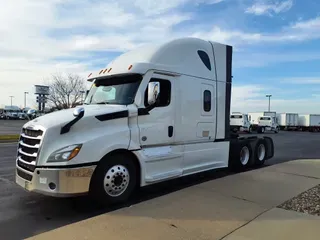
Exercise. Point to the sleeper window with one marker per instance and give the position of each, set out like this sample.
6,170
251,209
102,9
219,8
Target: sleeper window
207,101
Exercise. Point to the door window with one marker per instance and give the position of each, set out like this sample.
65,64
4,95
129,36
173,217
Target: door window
165,93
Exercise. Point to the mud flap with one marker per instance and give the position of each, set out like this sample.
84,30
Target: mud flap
270,147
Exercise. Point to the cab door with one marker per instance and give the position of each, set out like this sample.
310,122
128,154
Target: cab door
163,159
157,125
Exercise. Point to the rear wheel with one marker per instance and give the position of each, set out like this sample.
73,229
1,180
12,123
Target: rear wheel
241,155
114,180
260,153
244,155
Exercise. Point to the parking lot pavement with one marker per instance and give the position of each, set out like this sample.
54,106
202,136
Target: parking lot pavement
32,214
11,126
211,210
279,224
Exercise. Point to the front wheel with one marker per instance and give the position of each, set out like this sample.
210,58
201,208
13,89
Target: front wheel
114,180
277,130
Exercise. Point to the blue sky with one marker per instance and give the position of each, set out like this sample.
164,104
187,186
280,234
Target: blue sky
276,43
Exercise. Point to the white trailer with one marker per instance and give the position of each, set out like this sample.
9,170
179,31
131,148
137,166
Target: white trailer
309,122
288,121
153,114
240,122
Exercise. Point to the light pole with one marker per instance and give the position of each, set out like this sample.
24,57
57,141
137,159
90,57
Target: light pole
25,99
269,96
11,99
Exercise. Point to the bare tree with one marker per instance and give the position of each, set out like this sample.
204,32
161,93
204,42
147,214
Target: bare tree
65,91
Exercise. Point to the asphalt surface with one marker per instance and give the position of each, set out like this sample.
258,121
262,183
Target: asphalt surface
24,214
11,126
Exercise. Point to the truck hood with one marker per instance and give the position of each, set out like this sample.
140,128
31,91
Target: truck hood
64,116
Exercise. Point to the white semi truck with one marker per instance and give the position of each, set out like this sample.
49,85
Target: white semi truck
264,121
240,122
155,113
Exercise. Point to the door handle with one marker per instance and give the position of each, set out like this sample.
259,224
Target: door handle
170,131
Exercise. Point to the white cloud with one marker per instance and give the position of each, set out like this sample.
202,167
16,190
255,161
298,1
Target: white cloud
302,80
151,7
310,24
251,98
265,58
296,32
264,7
34,34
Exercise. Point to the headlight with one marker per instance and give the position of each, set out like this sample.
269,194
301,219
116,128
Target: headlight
65,154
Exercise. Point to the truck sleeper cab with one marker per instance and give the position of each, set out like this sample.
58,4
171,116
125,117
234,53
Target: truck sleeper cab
153,114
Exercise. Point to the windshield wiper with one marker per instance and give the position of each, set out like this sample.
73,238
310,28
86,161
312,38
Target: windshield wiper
102,103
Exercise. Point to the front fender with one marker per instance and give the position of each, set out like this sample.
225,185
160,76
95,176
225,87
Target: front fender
97,140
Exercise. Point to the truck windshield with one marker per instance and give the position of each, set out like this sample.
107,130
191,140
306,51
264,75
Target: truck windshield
114,90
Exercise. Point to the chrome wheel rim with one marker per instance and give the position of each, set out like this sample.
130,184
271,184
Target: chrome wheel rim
261,152
244,155
116,180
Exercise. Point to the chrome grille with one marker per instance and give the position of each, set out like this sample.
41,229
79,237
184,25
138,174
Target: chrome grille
32,133
24,175
28,150
26,166
29,141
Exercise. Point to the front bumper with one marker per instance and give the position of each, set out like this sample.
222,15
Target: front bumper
56,182
238,128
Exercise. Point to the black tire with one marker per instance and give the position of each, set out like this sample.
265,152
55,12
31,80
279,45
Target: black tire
250,130
261,130
98,185
236,150
259,160
277,130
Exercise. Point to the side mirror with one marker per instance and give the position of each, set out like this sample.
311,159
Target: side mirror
78,112
153,92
